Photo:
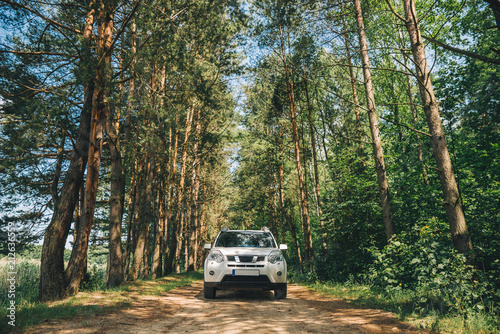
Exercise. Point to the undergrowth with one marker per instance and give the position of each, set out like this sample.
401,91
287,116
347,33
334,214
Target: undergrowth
406,305
423,280
94,299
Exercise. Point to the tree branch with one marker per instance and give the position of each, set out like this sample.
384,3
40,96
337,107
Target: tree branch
394,12
463,52
118,34
37,53
52,22
406,126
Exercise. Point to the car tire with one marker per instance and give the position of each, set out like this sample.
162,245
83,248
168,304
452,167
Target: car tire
208,293
280,291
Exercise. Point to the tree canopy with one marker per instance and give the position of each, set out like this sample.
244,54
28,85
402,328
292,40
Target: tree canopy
365,134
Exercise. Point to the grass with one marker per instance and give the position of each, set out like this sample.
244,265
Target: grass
405,305
94,301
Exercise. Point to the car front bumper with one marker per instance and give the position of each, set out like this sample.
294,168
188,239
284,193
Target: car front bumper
232,275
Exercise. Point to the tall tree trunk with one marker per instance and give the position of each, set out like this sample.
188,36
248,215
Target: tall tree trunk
144,269
156,269
323,140
128,132
131,210
167,269
171,224
77,263
413,108
201,237
374,128
195,189
178,221
52,276
117,194
144,219
281,190
315,168
293,231
100,105
305,217
452,203
361,149
57,172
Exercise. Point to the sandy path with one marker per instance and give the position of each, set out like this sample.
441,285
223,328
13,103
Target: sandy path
184,310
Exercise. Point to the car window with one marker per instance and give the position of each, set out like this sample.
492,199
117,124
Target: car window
245,239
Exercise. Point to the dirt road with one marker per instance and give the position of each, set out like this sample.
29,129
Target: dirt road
184,310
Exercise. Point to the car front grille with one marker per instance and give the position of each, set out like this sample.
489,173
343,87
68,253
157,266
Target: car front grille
246,279
245,265
245,258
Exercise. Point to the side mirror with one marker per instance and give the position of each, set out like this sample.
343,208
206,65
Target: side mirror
208,246
283,247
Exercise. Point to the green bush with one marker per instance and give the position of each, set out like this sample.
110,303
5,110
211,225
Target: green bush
442,279
95,278
27,278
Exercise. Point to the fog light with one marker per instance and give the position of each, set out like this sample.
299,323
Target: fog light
211,272
279,273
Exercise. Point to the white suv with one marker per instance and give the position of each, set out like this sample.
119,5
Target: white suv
245,260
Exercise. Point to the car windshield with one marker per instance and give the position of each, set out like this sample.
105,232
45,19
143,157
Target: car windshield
245,239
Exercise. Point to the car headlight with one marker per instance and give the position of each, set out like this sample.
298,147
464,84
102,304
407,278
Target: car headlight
275,256
216,255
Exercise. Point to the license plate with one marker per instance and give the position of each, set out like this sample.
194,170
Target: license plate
246,272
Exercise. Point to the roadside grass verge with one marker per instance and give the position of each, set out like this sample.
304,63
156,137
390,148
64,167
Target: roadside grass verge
407,307
91,303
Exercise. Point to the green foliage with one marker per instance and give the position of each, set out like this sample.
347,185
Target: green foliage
195,54
406,305
30,312
27,278
441,278
95,278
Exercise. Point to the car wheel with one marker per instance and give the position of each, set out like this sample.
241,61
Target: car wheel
208,293
280,291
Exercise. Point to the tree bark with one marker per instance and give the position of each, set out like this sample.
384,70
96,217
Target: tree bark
452,203
178,221
169,247
359,128
156,269
170,224
293,231
144,219
195,189
117,194
201,236
316,174
52,276
305,217
414,115
128,132
77,263
281,189
495,7
374,128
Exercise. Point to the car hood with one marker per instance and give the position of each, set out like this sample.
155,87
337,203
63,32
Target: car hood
245,250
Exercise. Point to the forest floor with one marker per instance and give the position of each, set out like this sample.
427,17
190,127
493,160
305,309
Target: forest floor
184,310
